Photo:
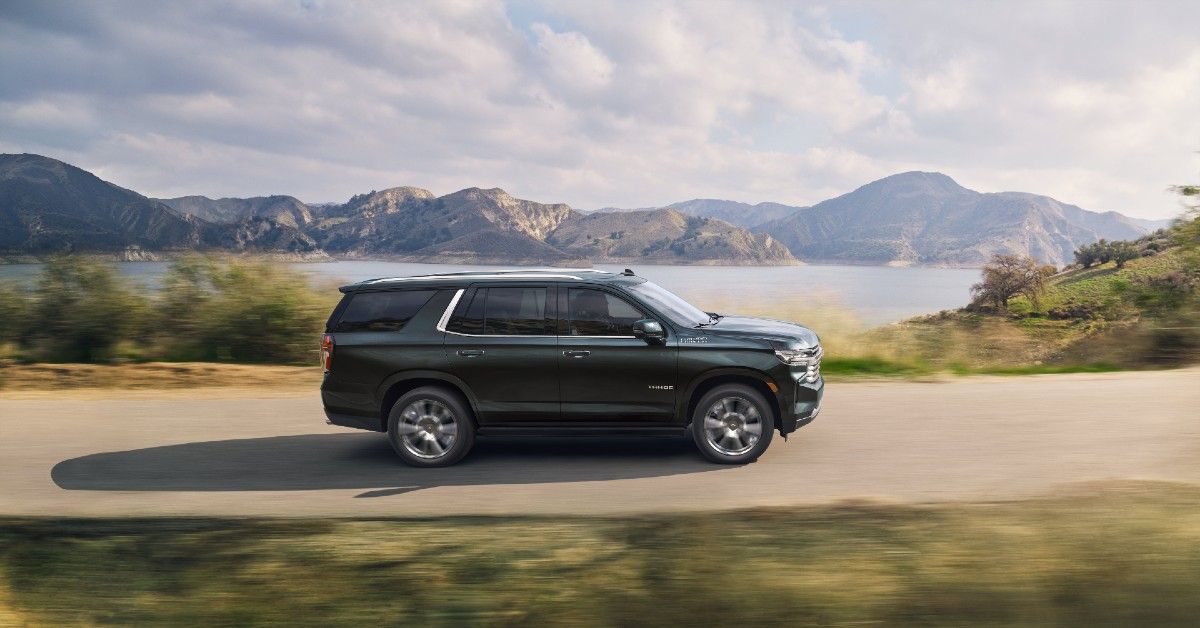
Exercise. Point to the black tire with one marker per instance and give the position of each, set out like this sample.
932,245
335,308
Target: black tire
422,438
742,407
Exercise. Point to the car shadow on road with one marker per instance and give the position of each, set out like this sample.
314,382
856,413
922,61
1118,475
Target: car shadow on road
366,461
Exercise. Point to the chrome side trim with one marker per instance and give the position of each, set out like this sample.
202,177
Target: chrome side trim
441,325
458,333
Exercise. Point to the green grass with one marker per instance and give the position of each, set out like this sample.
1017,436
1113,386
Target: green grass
876,367
1040,369
1101,285
869,366
1125,555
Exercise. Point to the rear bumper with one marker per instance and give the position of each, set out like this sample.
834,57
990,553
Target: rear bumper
352,420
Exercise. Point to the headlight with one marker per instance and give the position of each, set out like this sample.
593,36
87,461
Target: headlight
809,358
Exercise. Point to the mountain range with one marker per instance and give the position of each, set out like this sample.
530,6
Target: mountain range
48,206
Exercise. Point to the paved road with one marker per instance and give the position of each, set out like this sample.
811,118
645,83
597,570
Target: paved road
236,452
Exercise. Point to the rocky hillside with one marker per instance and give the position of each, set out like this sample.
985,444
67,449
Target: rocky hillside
910,218
468,225
491,226
285,210
927,218
47,206
665,236
732,212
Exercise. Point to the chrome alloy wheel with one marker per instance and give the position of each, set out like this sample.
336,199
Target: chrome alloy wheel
427,428
732,426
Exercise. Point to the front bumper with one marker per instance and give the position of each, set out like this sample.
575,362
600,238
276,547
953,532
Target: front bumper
807,404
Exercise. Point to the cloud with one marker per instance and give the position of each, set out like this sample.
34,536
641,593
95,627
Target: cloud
623,103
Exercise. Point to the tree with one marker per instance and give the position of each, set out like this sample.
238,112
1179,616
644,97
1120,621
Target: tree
1122,252
1007,276
1085,255
1103,251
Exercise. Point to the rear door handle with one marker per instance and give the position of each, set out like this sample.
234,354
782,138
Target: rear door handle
577,353
470,353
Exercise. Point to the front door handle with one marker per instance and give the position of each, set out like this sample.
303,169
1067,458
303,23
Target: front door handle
577,353
470,353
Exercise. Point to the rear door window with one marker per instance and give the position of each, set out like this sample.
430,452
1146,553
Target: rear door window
504,311
382,311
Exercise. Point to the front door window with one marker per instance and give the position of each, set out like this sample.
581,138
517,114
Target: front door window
598,313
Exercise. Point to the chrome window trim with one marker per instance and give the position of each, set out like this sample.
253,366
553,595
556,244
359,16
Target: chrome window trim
449,311
458,333
441,325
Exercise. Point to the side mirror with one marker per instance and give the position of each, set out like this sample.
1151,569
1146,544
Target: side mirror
649,330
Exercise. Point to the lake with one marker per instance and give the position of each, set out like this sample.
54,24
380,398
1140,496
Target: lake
873,294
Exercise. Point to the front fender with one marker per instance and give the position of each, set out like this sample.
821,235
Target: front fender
698,381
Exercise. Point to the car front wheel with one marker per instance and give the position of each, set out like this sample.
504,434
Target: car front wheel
431,427
732,424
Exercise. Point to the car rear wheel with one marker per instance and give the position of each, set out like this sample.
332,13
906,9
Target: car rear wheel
733,424
431,427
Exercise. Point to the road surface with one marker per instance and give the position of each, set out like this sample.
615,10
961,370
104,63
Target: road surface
231,452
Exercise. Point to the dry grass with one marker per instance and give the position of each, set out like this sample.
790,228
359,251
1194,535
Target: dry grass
156,375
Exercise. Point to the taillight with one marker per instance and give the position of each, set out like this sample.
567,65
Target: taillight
327,352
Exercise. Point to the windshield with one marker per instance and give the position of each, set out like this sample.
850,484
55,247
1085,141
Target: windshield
675,308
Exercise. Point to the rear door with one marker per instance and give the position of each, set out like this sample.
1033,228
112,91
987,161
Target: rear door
501,341
606,374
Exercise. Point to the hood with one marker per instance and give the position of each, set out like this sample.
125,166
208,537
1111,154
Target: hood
793,335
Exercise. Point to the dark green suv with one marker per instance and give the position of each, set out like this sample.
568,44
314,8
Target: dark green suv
436,359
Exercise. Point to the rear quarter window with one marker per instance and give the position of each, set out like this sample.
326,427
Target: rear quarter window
381,311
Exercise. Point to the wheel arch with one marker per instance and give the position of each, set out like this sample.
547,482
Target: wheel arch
711,379
397,384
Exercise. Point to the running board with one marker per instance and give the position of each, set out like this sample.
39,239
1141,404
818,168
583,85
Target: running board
559,429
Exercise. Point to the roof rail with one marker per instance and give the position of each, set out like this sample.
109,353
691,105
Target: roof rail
496,275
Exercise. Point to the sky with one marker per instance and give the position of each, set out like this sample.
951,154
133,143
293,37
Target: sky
595,104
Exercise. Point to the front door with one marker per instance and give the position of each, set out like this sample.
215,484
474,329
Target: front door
501,341
605,373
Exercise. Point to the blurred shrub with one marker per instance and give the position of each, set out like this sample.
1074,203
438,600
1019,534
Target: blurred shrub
80,310
14,312
239,310
206,309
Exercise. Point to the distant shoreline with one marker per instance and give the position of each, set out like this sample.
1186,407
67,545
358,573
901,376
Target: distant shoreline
166,256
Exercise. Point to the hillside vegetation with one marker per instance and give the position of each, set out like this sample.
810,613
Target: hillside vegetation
1140,312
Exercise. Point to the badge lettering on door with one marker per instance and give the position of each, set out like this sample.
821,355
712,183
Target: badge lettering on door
657,387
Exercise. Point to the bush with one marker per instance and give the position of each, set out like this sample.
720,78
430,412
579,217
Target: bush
14,313
1074,310
79,311
206,309
241,311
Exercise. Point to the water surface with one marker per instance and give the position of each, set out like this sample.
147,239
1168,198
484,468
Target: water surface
873,294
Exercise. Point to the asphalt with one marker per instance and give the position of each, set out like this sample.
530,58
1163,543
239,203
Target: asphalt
239,452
